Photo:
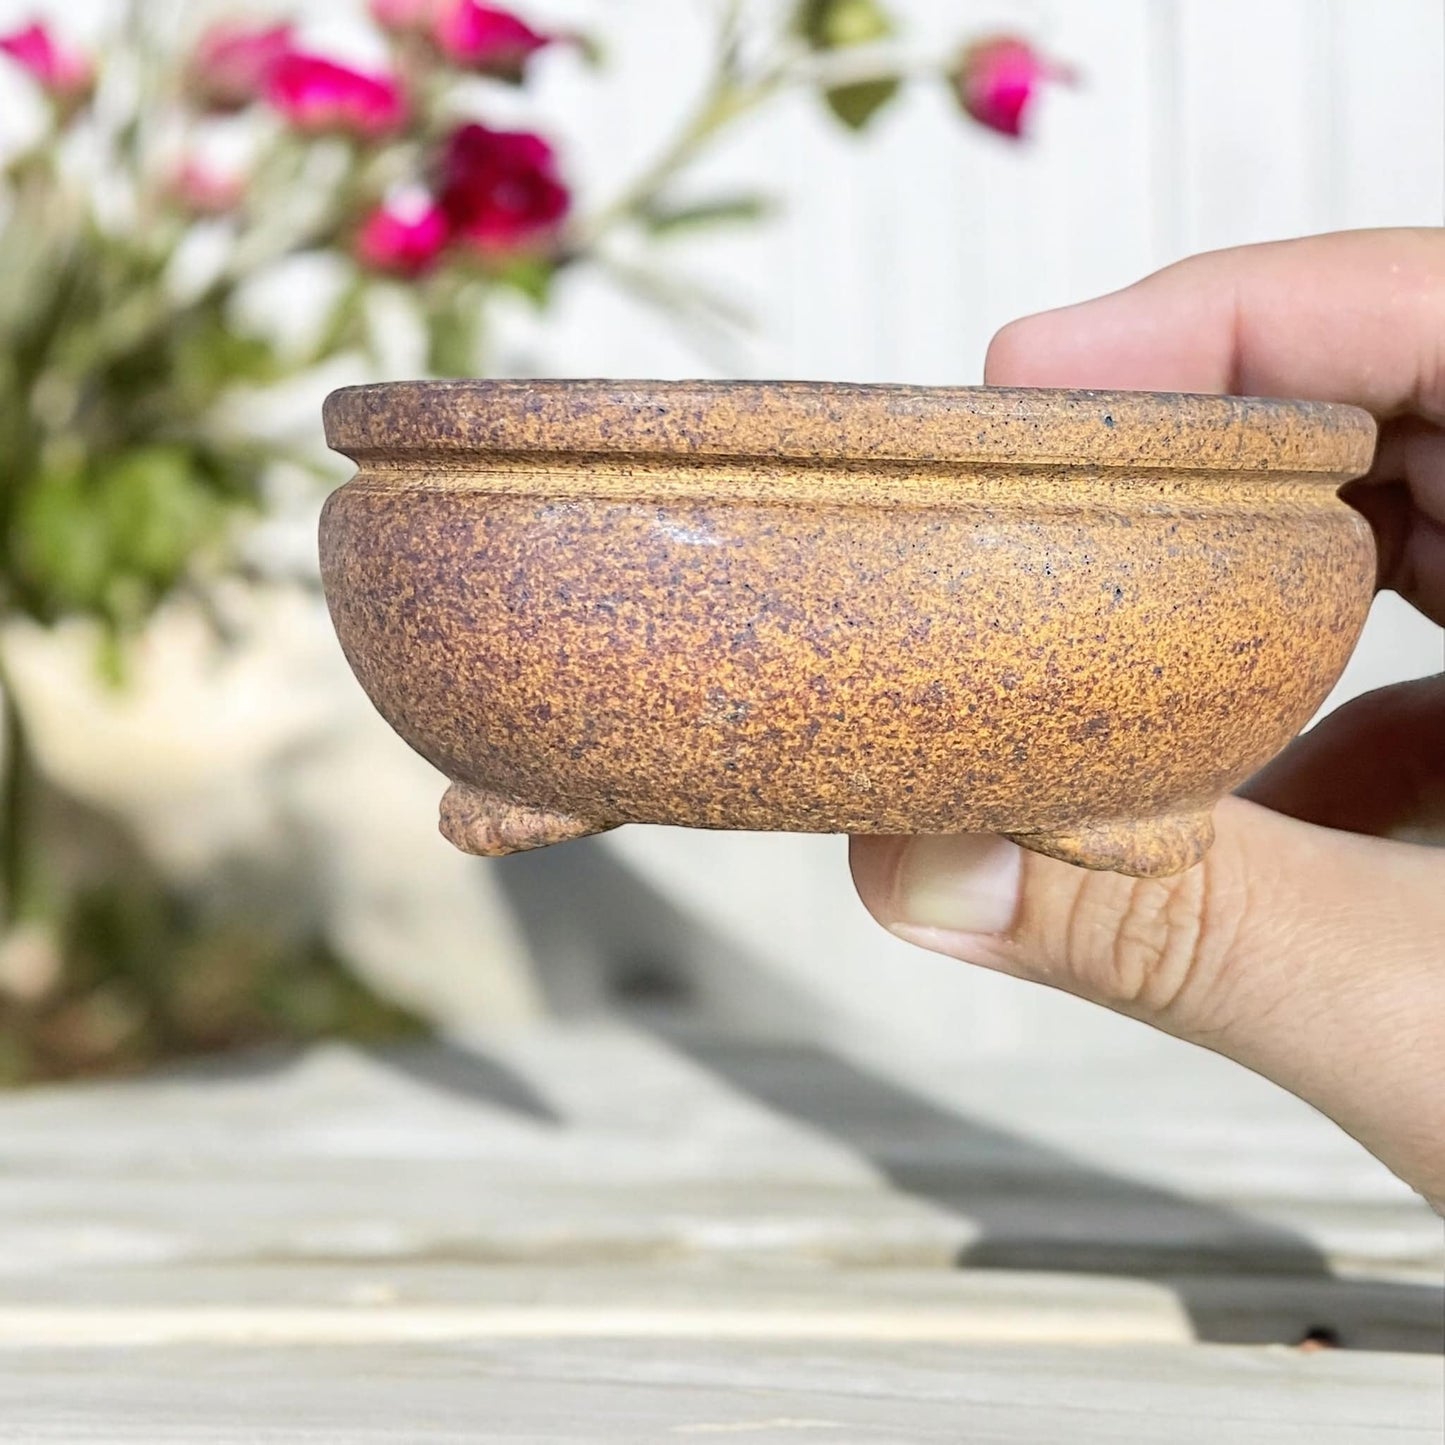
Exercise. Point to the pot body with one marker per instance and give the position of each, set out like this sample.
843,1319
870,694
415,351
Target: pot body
1083,659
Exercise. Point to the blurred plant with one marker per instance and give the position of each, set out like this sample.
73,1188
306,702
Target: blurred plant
127,256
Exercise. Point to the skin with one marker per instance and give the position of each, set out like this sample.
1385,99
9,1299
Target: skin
1310,944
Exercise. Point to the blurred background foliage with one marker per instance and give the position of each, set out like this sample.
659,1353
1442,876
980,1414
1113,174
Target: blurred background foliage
174,169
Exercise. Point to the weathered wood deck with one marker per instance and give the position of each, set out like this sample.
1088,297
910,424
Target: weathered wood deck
632,1233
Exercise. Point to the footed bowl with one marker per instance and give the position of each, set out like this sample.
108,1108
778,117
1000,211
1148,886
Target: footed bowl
1076,618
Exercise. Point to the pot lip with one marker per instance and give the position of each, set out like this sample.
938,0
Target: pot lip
831,423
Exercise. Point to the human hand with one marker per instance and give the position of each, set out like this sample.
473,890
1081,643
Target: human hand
1310,943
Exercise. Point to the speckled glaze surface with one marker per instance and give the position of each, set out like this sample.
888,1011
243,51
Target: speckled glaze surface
1078,618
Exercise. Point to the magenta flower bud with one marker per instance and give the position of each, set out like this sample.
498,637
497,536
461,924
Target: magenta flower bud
500,189
486,40
202,191
403,17
232,64
997,80
65,75
317,95
403,240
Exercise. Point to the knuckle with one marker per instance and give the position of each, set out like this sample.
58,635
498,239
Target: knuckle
1159,949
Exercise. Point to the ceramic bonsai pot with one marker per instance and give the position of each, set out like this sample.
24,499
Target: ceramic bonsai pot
1077,618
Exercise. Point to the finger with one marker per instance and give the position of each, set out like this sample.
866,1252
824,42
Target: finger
1396,497
1356,317
1374,766
1316,958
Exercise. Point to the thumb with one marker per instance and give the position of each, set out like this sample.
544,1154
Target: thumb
1314,957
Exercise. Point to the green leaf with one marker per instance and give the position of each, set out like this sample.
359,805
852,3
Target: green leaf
829,25
837,24
60,548
210,353
531,275
452,340
231,472
590,48
110,657
855,105
664,220
156,511
109,537
345,328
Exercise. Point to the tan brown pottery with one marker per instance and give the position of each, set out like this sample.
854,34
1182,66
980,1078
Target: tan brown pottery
1077,618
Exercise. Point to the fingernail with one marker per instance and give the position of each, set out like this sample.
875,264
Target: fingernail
963,884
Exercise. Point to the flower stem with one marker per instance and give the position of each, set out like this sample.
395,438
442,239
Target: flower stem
722,105
19,870
728,95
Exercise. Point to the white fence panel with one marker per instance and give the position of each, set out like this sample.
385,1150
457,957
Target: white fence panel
1201,123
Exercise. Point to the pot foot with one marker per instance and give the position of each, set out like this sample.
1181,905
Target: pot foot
491,826
1143,848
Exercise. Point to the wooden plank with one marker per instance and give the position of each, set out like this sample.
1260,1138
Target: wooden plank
614,1145
579,1390
549,1237
319,1303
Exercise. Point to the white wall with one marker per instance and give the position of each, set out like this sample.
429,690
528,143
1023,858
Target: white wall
1201,123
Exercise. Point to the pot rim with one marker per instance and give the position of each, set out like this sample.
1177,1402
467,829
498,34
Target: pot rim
831,423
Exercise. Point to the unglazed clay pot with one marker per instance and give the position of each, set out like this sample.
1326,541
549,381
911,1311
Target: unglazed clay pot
1077,618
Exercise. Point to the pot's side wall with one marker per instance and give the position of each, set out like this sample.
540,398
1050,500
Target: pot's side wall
855,669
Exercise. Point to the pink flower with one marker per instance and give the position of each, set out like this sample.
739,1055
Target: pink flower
485,39
500,189
400,17
403,240
233,63
997,80
316,94
201,191
64,74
